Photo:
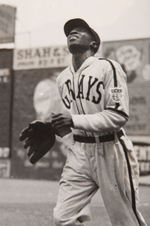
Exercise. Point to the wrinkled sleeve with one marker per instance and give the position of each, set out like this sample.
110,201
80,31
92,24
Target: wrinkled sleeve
116,105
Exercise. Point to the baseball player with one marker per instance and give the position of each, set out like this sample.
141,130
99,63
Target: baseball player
94,91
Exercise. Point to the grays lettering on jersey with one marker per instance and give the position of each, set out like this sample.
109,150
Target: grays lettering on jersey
92,90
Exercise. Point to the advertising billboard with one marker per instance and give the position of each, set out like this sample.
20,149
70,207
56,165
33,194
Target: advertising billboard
134,57
42,57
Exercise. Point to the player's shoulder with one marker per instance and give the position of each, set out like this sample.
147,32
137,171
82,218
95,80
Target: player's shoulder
62,75
108,64
111,66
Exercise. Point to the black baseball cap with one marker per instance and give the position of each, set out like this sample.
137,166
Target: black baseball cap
78,22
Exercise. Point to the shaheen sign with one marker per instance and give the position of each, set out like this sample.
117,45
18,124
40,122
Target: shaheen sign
43,57
7,23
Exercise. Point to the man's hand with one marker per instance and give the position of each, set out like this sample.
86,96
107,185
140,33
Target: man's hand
38,138
61,120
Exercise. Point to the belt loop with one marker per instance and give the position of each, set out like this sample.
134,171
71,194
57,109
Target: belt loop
116,138
98,141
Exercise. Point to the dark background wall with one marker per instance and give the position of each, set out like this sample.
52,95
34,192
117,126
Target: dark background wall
25,83
6,76
5,95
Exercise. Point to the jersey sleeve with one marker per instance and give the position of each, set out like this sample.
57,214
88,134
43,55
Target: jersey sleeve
116,105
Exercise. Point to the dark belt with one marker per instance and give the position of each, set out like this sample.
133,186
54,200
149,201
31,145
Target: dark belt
102,139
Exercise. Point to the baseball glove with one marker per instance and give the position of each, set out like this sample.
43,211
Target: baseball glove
38,138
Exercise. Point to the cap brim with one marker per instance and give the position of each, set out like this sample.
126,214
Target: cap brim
69,25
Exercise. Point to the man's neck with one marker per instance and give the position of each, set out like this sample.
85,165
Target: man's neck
79,58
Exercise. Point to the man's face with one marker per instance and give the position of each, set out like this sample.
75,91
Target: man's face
79,40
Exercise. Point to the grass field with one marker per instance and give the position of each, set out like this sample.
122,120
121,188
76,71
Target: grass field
30,203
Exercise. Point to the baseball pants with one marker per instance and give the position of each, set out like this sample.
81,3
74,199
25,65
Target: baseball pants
108,166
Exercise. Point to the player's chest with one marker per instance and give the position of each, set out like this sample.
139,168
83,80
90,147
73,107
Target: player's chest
85,86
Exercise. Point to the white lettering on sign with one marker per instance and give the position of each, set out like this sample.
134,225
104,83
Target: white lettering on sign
4,79
43,57
4,72
4,168
4,152
143,155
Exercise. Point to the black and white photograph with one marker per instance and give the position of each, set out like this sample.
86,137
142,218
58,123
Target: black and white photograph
74,113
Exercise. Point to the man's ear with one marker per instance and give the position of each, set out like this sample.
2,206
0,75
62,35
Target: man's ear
93,45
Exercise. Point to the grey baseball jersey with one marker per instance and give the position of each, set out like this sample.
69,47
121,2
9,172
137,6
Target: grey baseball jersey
96,97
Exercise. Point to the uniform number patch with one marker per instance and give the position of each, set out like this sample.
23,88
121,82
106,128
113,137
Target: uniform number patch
116,94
